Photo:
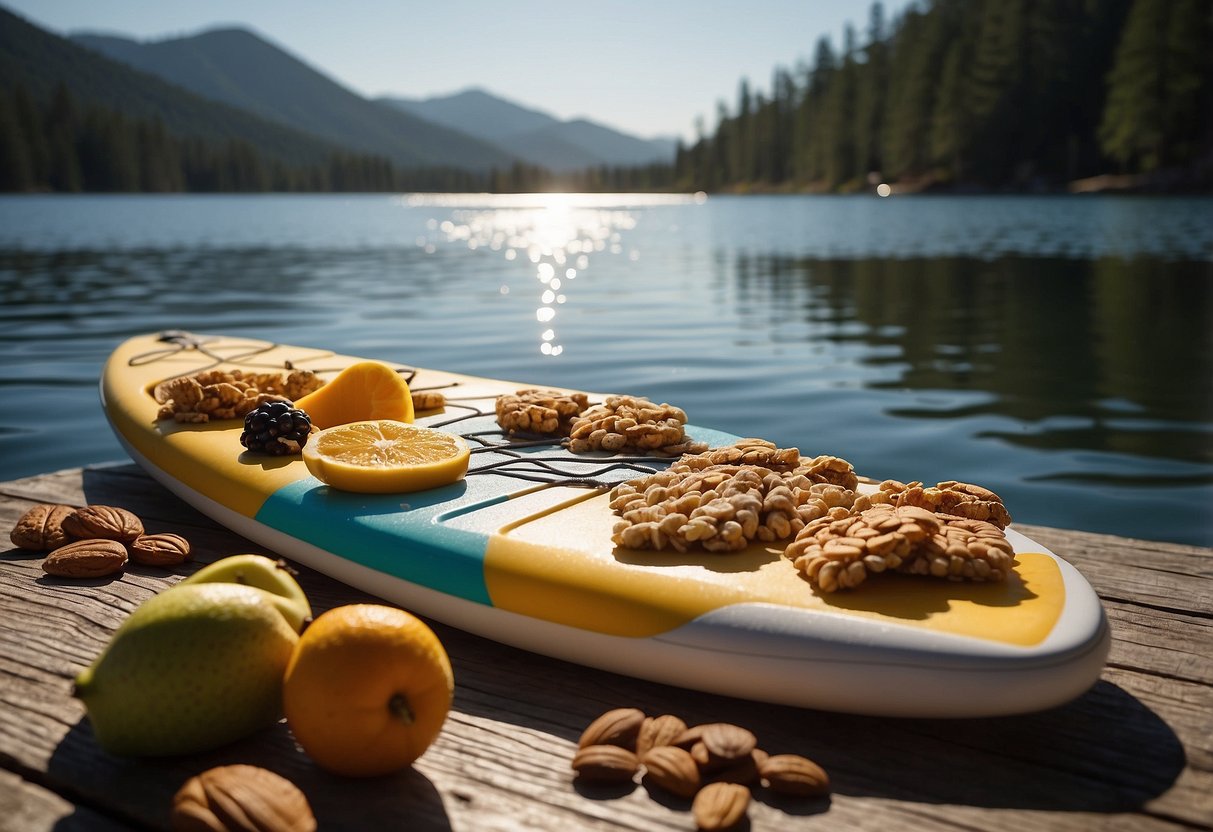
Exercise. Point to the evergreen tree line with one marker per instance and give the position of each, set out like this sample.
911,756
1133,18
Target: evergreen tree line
993,93
63,147
988,93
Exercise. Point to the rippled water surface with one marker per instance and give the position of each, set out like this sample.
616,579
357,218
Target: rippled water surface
1057,350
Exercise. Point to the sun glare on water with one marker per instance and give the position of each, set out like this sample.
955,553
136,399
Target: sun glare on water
560,234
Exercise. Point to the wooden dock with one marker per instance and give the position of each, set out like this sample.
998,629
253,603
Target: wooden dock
1133,753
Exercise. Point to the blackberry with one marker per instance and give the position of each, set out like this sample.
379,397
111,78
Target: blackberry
276,428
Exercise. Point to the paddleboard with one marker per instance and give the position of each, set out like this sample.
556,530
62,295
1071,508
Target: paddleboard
520,552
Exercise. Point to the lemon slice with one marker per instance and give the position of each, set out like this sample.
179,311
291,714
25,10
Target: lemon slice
362,391
383,456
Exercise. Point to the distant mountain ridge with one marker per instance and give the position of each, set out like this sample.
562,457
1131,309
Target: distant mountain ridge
40,61
237,67
533,135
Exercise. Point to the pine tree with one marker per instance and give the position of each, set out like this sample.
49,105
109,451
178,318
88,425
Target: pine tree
16,169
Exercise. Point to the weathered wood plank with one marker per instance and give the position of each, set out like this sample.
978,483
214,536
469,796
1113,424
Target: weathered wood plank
1133,753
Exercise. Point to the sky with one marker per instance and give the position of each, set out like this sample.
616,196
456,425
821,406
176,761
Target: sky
647,67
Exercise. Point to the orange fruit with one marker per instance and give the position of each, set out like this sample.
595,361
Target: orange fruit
367,689
383,456
366,390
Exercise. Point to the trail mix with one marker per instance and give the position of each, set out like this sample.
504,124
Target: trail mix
840,553
724,499
632,423
545,412
714,765
221,394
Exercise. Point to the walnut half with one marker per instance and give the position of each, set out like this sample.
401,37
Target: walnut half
241,798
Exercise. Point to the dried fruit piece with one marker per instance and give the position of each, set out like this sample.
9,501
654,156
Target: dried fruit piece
672,769
94,558
794,775
657,731
619,726
276,429
605,764
107,522
41,528
164,549
241,798
720,806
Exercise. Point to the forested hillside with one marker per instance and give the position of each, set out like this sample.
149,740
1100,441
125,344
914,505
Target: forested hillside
953,94
982,93
238,68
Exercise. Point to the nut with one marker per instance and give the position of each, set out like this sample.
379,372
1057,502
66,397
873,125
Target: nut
41,528
107,522
794,775
839,553
86,559
427,400
657,731
219,394
672,769
705,501
160,549
539,411
631,423
241,798
605,764
725,741
720,806
618,727
958,499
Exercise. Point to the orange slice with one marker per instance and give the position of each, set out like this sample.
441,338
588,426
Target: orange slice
366,390
383,456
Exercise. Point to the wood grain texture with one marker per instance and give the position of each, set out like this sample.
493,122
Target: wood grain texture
1135,752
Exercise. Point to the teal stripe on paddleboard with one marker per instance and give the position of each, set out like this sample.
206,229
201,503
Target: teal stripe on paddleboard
396,534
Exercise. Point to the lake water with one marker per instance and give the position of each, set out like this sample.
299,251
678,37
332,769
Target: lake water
1058,350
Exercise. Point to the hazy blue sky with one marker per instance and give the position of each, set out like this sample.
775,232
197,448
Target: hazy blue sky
645,66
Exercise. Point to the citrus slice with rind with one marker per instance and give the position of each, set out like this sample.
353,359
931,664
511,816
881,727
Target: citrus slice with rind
362,391
382,456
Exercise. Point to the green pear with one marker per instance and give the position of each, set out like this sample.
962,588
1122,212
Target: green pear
275,577
193,668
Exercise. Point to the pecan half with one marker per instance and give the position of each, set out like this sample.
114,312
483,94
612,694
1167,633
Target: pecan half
41,528
162,549
86,559
107,522
241,798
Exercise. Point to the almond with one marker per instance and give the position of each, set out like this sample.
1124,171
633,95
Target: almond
725,741
41,528
720,806
618,727
605,764
86,559
657,731
106,522
792,774
160,549
241,798
672,769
